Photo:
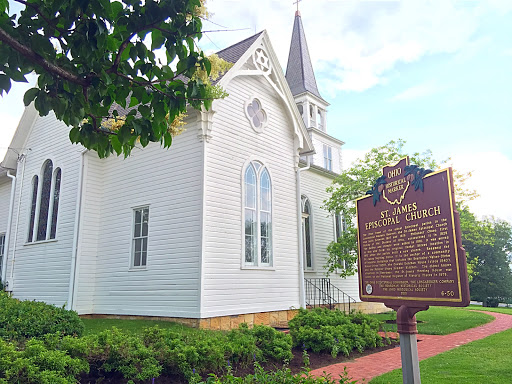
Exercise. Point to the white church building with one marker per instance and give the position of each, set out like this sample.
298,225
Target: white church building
225,226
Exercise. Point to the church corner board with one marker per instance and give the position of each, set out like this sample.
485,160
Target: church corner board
409,240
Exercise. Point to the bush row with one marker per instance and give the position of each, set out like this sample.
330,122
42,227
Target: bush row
63,359
20,320
39,344
324,330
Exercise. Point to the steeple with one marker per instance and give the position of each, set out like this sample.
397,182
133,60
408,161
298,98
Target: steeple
299,70
301,80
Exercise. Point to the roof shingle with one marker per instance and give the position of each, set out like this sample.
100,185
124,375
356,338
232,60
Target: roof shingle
299,70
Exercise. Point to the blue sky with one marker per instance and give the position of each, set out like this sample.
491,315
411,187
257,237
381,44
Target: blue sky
437,74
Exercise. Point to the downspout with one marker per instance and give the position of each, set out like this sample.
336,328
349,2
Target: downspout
21,158
78,209
302,293
9,222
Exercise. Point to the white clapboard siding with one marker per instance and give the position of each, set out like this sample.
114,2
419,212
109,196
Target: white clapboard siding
89,230
318,157
228,289
5,197
170,183
42,269
314,185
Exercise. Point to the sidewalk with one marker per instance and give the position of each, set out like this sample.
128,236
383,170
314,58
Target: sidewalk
376,364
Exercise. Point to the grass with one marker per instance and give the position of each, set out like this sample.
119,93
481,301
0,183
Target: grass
441,320
435,321
93,326
505,310
482,361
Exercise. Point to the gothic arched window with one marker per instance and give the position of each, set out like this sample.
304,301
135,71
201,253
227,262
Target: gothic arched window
257,215
307,244
45,204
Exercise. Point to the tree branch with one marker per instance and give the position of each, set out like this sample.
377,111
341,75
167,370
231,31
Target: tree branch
125,43
35,58
40,13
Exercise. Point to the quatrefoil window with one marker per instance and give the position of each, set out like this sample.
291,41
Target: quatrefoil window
256,114
261,60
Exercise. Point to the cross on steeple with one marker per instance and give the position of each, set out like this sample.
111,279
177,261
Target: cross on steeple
297,2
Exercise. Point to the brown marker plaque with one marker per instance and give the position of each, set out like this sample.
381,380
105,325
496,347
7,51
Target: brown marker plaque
410,250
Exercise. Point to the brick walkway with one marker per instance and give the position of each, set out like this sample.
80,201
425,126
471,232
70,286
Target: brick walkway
379,363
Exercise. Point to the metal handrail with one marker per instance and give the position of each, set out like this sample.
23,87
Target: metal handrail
320,292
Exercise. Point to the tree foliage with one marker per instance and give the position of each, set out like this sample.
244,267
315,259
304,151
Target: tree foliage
353,183
92,54
488,245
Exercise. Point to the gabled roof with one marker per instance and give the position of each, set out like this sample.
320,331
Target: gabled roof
299,70
233,53
242,53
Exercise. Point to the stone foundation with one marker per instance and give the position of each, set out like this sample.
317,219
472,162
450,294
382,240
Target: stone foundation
276,319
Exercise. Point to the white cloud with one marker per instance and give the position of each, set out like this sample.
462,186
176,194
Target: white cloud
489,181
351,155
357,44
418,91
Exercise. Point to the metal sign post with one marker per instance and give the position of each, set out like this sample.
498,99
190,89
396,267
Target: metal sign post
406,326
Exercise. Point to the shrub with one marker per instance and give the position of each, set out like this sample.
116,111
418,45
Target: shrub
323,330
116,352
273,344
24,319
491,302
209,351
281,376
38,364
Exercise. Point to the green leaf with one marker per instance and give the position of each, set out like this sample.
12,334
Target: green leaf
145,111
117,8
116,144
5,83
157,39
30,95
4,5
74,135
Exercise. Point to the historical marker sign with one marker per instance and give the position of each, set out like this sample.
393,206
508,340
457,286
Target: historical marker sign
410,250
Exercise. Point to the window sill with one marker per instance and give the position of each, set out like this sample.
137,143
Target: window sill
138,269
257,267
41,242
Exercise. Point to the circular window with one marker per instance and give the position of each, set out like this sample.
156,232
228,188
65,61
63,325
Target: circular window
256,114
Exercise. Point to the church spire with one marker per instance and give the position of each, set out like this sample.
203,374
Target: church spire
299,70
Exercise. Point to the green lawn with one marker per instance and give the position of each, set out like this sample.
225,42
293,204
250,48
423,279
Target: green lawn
132,326
483,361
507,311
441,320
